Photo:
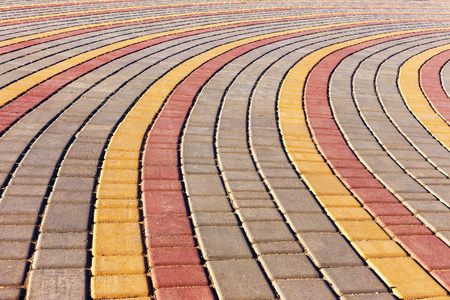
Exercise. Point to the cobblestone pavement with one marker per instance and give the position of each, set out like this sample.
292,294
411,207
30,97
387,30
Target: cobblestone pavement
224,149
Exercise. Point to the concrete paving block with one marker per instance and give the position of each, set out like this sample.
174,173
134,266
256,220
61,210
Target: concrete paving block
329,250
11,293
18,219
301,222
230,161
74,184
62,240
191,168
57,284
223,242
436,221
245,186
296,200
26,190
60,259
354,280
369,297
209,204
17,233
263,232
14,250
70,196
425,206
203,185
66,218
239,279
270,173
288,266
241,175
13,272
250,196
259,214
278,248
214,219
197,150
304,289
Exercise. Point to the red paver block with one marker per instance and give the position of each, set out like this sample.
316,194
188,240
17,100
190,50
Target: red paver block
339,151
179,276
191,293
161,185
349,173
159,172
398,221
443,277
173,256
170,241
429,250
374,195
164,203
407,230
387,209
160,157
167,225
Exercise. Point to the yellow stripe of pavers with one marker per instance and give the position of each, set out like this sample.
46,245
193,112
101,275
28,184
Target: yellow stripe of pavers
408,82
365,235
117,195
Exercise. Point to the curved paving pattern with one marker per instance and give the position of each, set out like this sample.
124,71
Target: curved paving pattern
224,150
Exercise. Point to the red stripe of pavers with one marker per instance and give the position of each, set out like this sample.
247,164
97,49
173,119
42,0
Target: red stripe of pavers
174,260
429,250
430,82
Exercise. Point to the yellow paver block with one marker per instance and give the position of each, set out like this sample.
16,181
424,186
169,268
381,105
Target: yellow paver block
338,201
119,176
312,167
362,230
348,213
407,279
115,286
117,239
118,264
122,155
415,99
294,130
378,248
117,203
121,164
301,156
125,143
325,184
132,128
117,190
116,214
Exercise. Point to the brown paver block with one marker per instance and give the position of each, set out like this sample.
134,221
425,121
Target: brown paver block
203,185
21,205
25,190
10,293
18,219
304,289
60,258
259,214
278,248
241,175
14,250
254,204
329,250
436,221
310,223
66,218
13,272
219,243
353,280
369,297
425,206
214,219
288,266
239,279
17,233
233,162
258,232
62,240
300,201
209,204
74,183
245,186
63,196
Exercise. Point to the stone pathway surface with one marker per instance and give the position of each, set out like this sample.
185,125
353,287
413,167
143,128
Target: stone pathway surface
224,149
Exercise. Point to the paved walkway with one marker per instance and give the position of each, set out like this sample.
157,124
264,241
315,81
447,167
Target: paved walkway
224,149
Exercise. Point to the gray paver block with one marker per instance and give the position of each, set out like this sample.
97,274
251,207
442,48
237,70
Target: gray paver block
268,232
25,190
329,250
250,195
214,219
33,171
278,248
304,289
425,206
60,258
77,171
203,185
245,186
10,293
369,297
74,184
85,151
442,192
269,154
54,284
60,196
445,236
310,222
224,242
66,218
241,175
18,219
14,250
209,204
42,157
233,162
19,233
259,214
353,280
288,266
239,279
29,180
400,183
13,272
254,204
62,240
210,168
197,150
285,183
301,201
436,221
270,173
378,164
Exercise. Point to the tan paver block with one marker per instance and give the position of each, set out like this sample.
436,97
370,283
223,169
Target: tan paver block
362,230
348,213
115,286
407,279
378,248
114,214
117,239
324,184
117,190
118,264
119,176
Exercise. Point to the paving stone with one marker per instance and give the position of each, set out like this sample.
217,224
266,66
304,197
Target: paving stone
17,219
250,196
69,196
57,284
436,221
329,250
34,171
369,297
60,240
229,161
10,293
66,218
19,233
353,280
268,232
300,201
74,183
444,236
25,190
241,175
310,223
288,266
60,258
425,206
14,250
221,243
259,214
197,150
13,272
245,186
304,289
278,248
268,173
214,219
209,204
203,185
239,279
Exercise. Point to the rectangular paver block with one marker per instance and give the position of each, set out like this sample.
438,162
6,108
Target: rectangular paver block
66,218
304,289
62,240
288,266
268,232
57,284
